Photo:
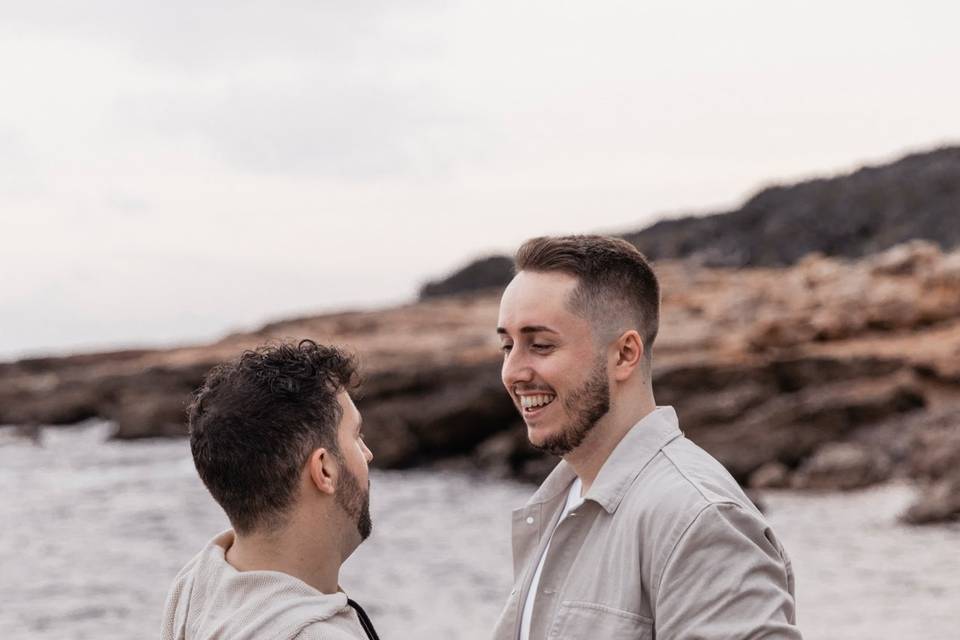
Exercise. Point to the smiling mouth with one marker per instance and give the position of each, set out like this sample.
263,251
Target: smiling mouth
533,403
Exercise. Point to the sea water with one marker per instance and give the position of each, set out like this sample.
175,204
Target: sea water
93,531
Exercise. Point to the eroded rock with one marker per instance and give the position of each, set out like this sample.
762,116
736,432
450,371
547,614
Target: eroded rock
770,475
843,466
939,502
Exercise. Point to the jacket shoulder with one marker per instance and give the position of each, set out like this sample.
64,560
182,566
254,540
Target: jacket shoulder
672,492
685,478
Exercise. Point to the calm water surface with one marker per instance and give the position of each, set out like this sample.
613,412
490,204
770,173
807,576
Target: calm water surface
92,533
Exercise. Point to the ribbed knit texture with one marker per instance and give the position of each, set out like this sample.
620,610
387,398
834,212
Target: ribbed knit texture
210,600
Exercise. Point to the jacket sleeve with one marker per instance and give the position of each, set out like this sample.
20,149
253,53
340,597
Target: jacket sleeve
726,577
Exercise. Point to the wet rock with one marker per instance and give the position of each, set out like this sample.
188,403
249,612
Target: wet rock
433,413
789,427
389,438
66,405
843,466
772,475
509,453
19,434
151,402
940,502
150,416
496,454
935,448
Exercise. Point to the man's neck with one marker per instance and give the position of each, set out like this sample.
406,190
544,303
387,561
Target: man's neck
309,558
590,456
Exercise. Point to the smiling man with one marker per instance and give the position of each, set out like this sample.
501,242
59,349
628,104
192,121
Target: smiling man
637,533
277,441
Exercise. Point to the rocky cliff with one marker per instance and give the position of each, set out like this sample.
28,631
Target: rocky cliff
827,374
852,216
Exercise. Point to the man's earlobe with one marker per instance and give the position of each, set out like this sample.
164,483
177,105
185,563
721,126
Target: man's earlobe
323,470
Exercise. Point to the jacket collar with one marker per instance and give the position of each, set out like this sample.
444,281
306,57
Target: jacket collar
644,440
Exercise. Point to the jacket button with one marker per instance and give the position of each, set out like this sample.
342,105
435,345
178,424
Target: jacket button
529,519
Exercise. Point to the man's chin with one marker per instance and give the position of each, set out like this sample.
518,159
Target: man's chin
538,434
546,439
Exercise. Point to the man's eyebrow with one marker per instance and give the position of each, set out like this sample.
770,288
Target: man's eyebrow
536,328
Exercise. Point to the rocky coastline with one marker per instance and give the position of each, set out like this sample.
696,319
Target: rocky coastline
830,374
809,339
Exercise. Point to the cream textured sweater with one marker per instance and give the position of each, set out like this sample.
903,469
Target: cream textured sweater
210,600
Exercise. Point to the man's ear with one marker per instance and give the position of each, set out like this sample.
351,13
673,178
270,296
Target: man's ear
630,353
323,469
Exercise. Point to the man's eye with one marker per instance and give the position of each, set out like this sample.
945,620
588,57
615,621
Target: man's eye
542,347
506,348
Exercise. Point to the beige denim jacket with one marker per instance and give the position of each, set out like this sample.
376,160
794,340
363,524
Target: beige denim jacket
666,545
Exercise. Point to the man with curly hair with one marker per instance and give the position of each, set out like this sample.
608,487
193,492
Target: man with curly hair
277,441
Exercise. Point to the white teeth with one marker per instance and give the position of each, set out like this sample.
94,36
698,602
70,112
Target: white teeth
529,402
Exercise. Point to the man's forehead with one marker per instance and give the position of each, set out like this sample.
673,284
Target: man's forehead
346,403
536,300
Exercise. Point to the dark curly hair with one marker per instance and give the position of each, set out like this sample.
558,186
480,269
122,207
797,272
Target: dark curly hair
255,421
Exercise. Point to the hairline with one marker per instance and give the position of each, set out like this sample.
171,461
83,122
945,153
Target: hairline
600,332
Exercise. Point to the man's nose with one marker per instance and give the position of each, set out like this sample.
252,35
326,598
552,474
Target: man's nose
515,369
367,453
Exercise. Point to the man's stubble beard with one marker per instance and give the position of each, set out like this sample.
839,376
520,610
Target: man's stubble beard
586,406
355,502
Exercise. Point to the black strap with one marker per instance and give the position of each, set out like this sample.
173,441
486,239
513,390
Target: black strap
364,620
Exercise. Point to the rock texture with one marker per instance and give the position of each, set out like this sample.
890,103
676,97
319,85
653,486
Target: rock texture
851,216
932,453
487,273
842,465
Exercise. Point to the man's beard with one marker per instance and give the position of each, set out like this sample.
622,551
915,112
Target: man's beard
586,406
355,502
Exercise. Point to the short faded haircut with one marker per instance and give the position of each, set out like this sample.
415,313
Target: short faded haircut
617,289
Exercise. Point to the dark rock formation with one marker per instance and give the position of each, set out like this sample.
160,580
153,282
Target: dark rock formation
940,502
850,216
417,416
487,273
934,459
844,466
770,475
754,428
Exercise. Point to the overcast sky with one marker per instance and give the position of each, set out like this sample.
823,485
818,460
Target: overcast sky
173,171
